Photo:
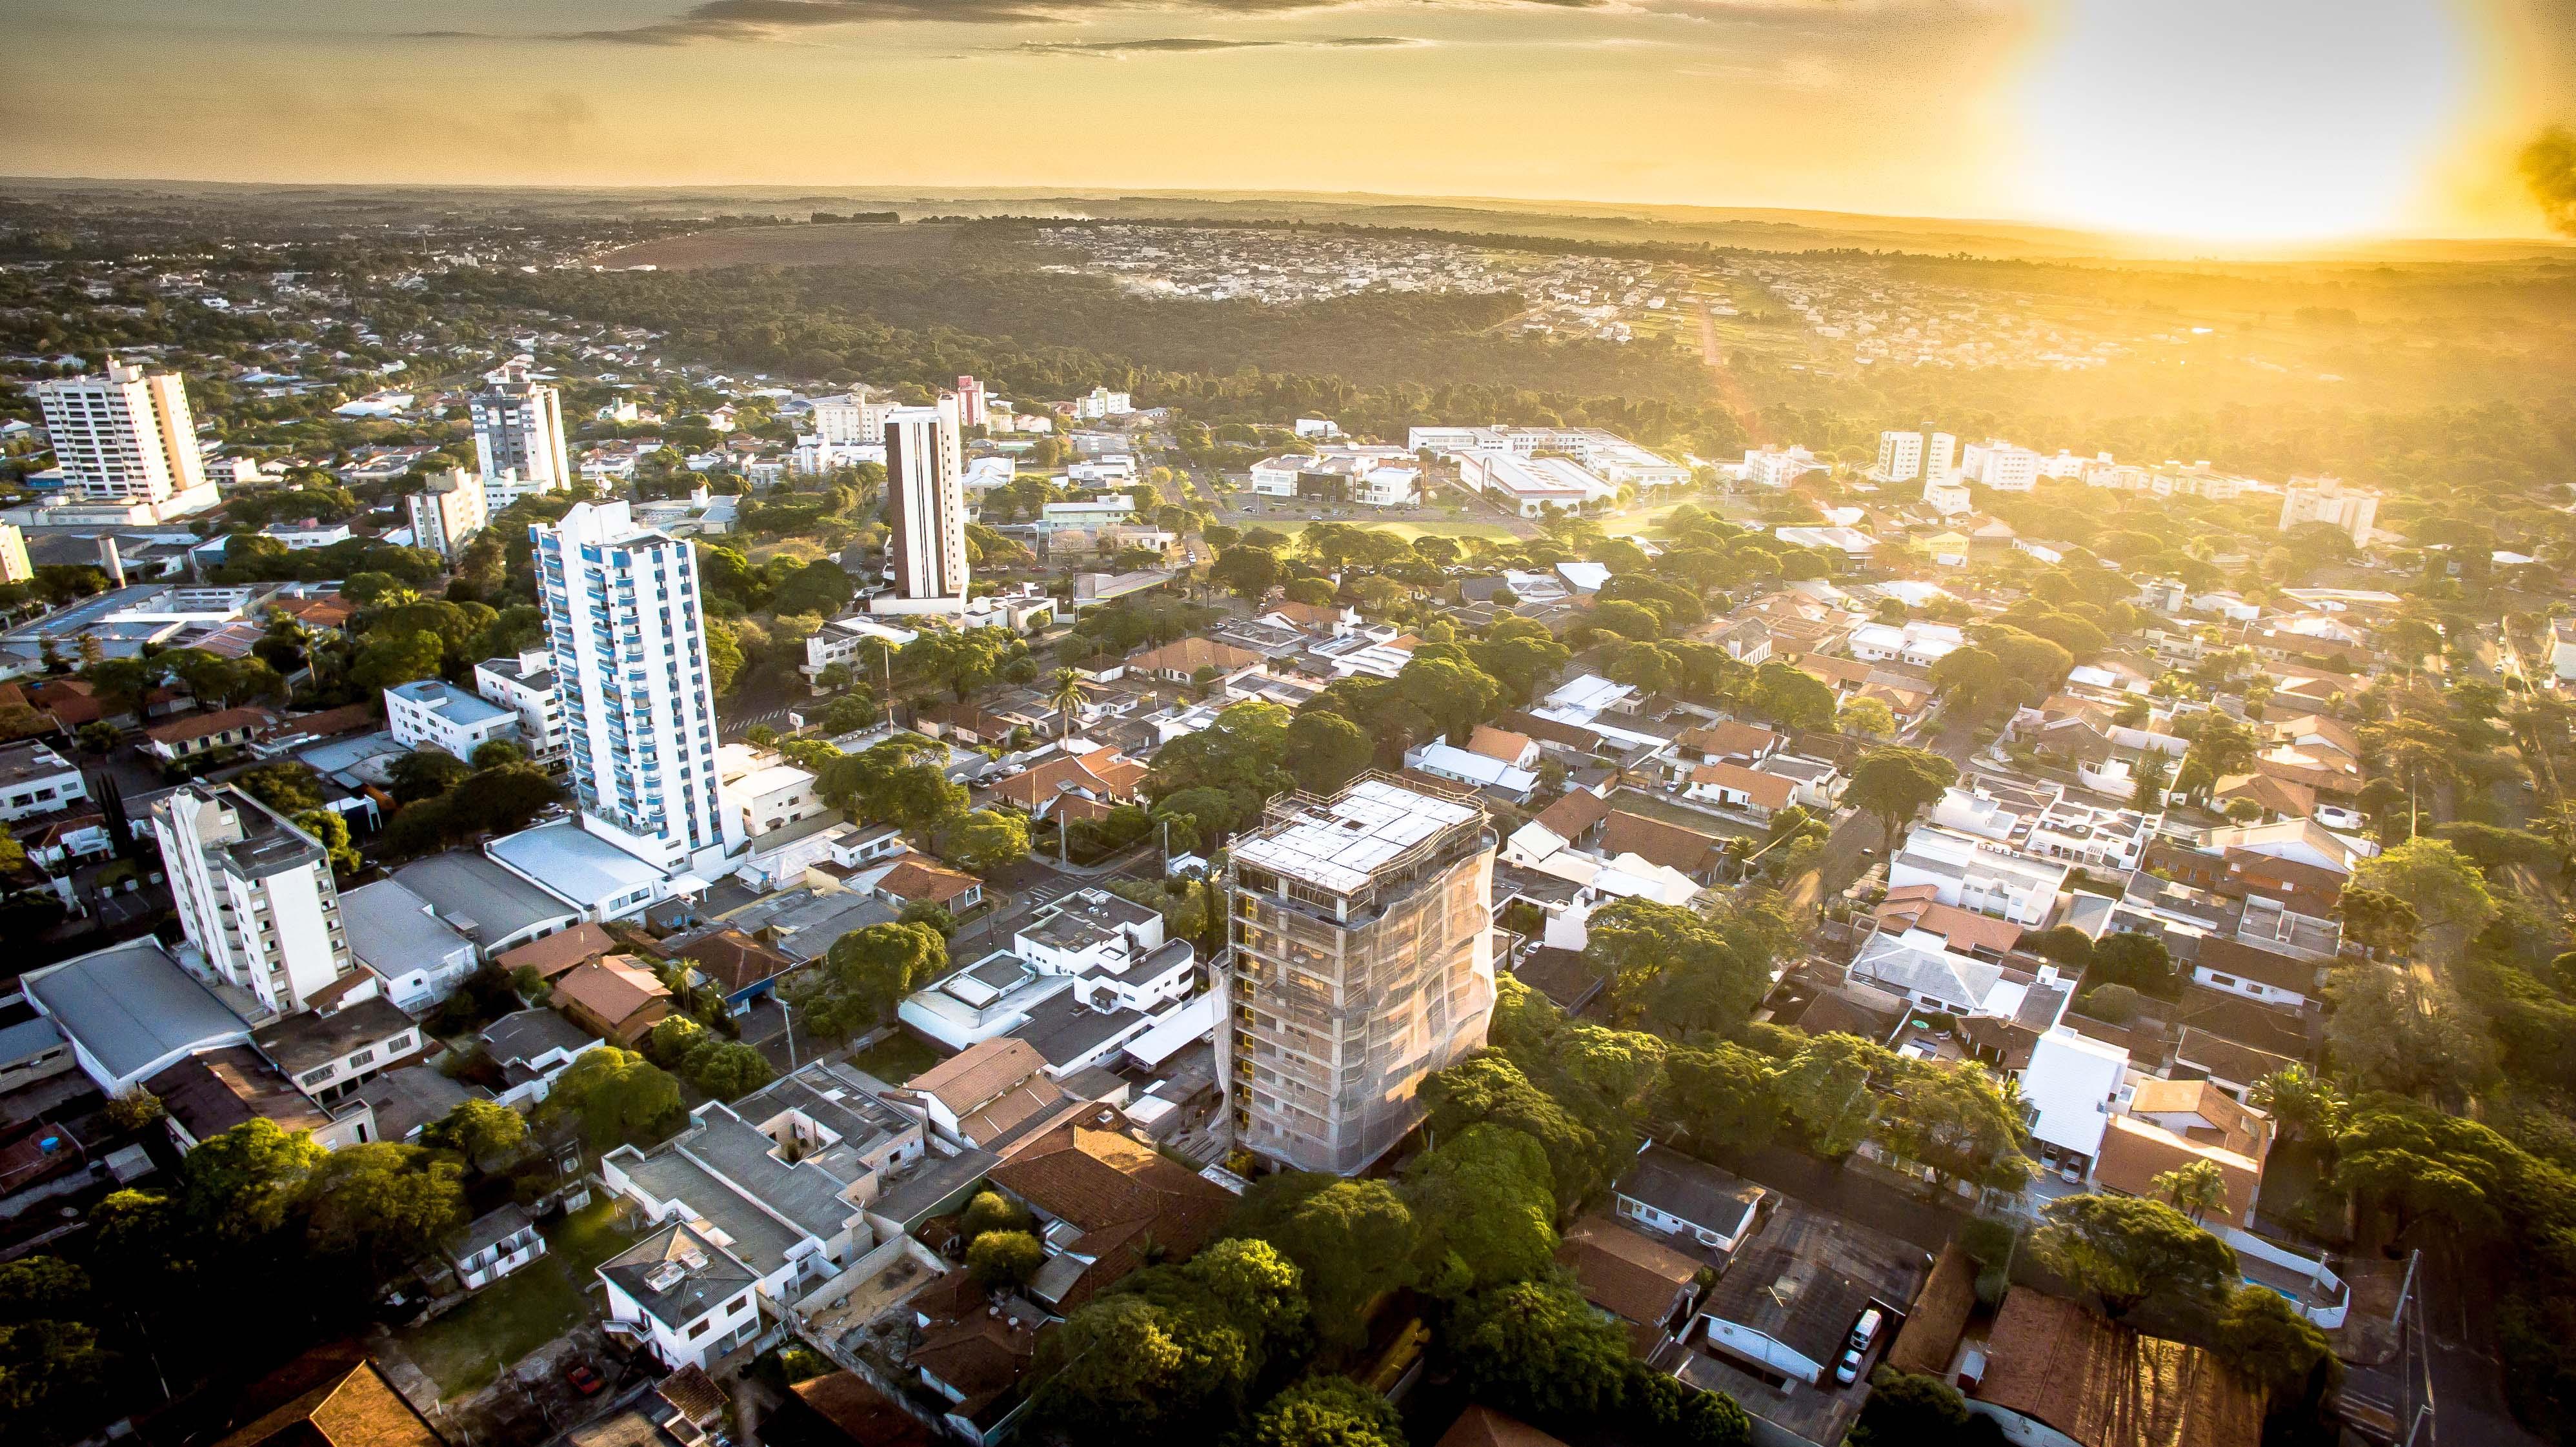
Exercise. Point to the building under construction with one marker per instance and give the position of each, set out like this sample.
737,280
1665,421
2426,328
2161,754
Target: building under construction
1362,961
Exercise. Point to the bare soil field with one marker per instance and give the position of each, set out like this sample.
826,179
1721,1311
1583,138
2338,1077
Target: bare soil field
840,244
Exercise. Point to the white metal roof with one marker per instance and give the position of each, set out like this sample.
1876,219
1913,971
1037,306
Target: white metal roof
1340,847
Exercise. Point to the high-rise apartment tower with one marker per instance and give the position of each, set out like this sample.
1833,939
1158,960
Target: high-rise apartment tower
926,506
518,428
255,896
629,636
1362,960
122,434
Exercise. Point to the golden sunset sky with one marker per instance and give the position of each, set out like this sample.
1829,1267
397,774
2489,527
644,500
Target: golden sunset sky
2232,120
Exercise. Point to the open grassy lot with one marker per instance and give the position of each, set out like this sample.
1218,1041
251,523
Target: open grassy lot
470,1346
896,1059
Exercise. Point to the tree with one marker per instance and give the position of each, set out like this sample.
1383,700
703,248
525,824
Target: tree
1721,1097
1893,783
1488,1088
2392,1031
991,1211
1908,1409
1538,1350
244,1182
1352,1241
493,753
2128,1251
1326,1411
132,1109
866,973
2139,961
2262,1335
392,658
1956,1120
425,774
482,1131
1453,691
616,1096
100,737
330,829
2152,775
1004,1259
726,1069
383,1202
1246,571
2301,1104
987,840
1064,692
2444,887
1325,751
898,782
1668,964
1486,1205
1824,1092
284,786
2192,1188
1867,718
1789,698
2384,923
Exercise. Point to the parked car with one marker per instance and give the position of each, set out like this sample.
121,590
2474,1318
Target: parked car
1847,1371
583,1379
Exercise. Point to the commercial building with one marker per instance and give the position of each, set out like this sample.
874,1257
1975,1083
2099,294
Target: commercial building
125,436
2331,501
15,567
36,780
447,512
518,430
1533,486
926,509
255,897
630,660
1362,961
432,713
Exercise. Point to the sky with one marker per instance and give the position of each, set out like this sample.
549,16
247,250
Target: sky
2229,120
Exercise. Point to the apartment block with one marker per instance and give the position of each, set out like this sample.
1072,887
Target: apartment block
447,512
1362,960
518,429
926,508
124,435
255,897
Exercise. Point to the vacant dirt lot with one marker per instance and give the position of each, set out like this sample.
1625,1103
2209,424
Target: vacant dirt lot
843,244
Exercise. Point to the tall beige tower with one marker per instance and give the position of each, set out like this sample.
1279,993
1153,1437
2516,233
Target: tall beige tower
926,510
122,434
1362,960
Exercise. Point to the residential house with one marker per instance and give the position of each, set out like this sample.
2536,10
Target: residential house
206,733
2257,974
1686,851
1477,770
987,1095
918,881
1102,1201
328,1055
331,1396
531,1048
1082,977
418,957
681,1296
2057,1374
36,780
1786,1302
558,952
1688,1200
1966,873
614,997
1183,661
2070,1090
1095,775
1726,741
975,1351
1749,792
2135,1150
1648,1286
1819,782
492,1246
743,969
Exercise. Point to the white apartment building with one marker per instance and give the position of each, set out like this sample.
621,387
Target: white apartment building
2000,465
1947,496
14,564
122,435
1100,402
1363,961
926,512
1900,457
36,780
851,640
525,685
518,429
630,658
852,421
2330,500
1940,458
971,411
432,713
447,512
1778,466
255,896
1966,873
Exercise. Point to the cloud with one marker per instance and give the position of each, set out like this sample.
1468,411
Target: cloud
1192,44
724,20
2549,174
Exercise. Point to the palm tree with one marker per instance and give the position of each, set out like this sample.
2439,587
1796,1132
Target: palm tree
1064,690
2192,1189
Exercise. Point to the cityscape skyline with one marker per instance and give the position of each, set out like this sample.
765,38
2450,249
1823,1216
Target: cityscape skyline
2231,124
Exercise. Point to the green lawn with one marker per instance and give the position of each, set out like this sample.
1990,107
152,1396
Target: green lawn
895,1059
1405,530
467,1348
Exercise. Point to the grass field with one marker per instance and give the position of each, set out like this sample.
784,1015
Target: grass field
470,1346
1405,530
896,1059
845,244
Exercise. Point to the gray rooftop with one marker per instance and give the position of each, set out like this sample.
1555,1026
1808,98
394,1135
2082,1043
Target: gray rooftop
807,1193
489,1229
463,885
26,762
133,1009
407,1099
808,921
527,1034
305,1042
28,1038
701,1290
758,1239
394,932
1693,1190
574,863
1063,1030
450,702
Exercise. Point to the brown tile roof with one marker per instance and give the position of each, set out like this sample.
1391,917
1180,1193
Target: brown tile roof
860,1412
1966,930
1579,810
2106,1386
1305,615
912,881
2135,1152
979,1072
1623,1273
1550,731
1481,1426
1500,744
1768,791
204,725
332,722
2229,1125
1930,1336
559,951
734,960
981,1356
693,1394
1190,655
1103,771
618,996
1729,737
2262,966
968,717
1120,1194
2274,793
352,1404
1834,672
1657,842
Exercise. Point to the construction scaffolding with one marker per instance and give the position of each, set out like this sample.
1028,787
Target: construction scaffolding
1361,960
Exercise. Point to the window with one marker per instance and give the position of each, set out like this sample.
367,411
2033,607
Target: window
700,1329
363,1057
2218,979
739,1302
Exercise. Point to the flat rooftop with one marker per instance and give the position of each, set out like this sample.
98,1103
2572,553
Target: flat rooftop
1341,845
